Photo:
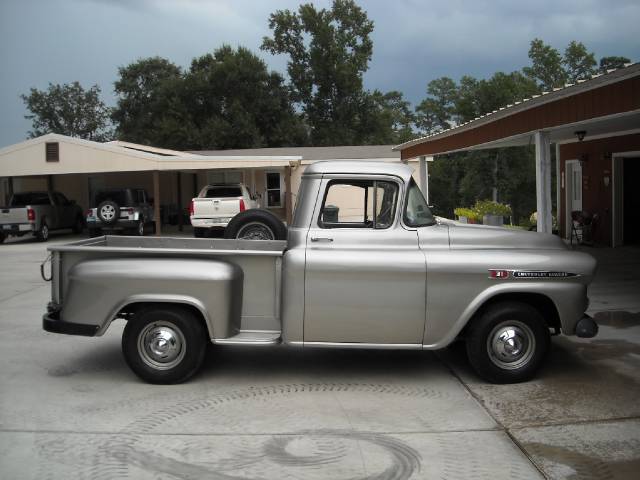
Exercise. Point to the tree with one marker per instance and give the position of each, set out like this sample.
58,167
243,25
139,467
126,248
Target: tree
390,118
227,99
329,51
579,64
68,109
138,90
436,112
608,63
546,66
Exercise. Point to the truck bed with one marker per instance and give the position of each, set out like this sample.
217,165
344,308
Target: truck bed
260,261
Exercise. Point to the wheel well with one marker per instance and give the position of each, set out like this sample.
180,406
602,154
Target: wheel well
540,302
132,309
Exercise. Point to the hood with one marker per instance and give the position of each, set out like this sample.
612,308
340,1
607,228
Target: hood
464,236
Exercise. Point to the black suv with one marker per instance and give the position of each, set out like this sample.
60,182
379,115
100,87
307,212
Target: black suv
126,210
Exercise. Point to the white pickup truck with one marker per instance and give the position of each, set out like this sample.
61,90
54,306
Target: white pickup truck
216,205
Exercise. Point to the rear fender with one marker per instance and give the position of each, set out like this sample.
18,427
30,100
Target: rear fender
98,290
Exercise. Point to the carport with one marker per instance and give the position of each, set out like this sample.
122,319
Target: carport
78,167
591,124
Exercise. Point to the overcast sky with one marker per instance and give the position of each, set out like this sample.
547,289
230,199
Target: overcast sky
415,41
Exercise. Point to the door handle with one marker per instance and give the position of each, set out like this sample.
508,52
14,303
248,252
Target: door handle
321,239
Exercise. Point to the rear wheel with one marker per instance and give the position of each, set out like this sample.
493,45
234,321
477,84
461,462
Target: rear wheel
2,237
78,226
164,344
138,230
508,342
43,234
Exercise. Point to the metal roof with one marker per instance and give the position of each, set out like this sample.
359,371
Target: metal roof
353,152
611,76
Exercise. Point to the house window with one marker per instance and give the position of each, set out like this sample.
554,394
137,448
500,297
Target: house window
52,152
274,189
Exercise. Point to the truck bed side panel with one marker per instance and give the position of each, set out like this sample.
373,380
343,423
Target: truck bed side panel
99,289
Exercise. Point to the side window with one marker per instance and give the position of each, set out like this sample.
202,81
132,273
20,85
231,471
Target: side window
60,199
359,204
274,194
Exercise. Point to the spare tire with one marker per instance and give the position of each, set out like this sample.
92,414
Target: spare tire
108,212
256,224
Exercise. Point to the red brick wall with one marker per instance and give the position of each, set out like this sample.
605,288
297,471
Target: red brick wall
596,197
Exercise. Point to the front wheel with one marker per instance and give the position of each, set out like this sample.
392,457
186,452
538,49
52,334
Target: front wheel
508,342
165,344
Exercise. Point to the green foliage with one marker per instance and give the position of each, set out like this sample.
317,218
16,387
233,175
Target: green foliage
608,63
227,99
482,208
436,112
578,62
68,109
138,90
469,213
546,66
489,207
328,52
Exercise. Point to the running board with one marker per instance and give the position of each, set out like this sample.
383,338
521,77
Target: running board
251,337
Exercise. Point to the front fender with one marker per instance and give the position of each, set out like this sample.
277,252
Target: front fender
569,299
99,289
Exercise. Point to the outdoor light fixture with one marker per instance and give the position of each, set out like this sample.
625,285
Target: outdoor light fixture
580,134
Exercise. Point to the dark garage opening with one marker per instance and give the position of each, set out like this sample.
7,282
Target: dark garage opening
631,201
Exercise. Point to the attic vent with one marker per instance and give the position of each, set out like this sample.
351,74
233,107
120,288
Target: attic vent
52,152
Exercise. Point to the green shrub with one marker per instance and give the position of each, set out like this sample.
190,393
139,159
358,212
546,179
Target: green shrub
488,207
470,214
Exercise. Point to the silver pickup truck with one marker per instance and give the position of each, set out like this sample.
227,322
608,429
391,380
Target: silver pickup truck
366,265
38,213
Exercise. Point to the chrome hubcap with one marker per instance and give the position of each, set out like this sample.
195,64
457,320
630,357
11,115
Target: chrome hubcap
255,231
511,345
108,212
161,345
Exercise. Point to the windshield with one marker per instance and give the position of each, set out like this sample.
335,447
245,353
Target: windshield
416,212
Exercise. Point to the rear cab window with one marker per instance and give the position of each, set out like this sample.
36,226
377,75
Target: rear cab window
222,192
359,204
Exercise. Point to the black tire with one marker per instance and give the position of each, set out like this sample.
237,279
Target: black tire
78,226
189,337
256,224
108,212
3,237
43,234
138,231
500,361
199,232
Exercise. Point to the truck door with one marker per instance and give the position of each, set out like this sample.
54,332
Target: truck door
365,279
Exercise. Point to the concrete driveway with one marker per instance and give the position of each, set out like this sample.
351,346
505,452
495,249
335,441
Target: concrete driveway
70,408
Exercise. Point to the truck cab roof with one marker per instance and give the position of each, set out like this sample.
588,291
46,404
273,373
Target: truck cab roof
361,168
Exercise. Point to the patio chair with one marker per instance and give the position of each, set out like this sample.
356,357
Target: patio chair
582,223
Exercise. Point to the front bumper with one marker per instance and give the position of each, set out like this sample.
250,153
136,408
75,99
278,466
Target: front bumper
51,322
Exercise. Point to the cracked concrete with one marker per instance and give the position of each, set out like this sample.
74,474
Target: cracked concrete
70,408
